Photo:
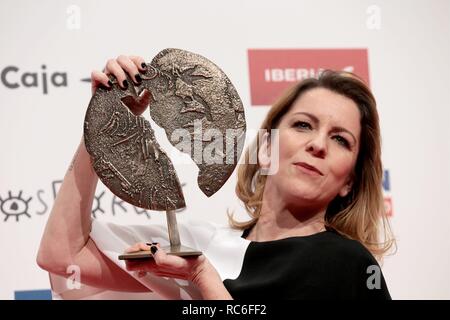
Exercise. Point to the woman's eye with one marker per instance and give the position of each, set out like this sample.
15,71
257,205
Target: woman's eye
341,140
302,125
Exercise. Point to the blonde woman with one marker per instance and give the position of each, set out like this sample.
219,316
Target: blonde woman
317,221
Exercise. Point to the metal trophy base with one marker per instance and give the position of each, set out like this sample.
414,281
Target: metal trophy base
181,251
175,248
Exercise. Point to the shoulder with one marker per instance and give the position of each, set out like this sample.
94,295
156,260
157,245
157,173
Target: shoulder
345,253
335,244
353,264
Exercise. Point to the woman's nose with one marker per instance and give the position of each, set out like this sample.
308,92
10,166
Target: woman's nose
317,146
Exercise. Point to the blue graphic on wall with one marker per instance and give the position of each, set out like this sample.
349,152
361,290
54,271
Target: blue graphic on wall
33,295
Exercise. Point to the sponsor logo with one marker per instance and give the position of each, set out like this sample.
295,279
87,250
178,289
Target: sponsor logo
14,206
12,77
18,205
274,70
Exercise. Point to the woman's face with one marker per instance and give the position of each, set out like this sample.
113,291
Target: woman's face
318,147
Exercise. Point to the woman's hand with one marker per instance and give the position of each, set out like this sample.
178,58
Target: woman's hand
121,68
198,270
164,265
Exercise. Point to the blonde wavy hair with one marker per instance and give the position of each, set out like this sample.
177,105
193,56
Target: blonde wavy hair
361,214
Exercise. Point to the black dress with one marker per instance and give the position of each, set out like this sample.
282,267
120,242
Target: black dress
325,265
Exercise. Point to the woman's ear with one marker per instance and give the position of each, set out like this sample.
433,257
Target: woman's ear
264,150
345,190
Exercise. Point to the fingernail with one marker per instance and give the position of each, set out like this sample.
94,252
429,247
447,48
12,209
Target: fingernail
143,65
138,78
153,249
125,84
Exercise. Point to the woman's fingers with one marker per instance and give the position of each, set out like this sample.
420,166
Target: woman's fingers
98,79
172,262
140,246
113,67
121,68
143,246
163,264
130,67
133,248
139,62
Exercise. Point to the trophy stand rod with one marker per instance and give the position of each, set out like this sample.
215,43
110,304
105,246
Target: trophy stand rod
175,247
172,226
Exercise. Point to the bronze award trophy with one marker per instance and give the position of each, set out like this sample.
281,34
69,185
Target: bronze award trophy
188,93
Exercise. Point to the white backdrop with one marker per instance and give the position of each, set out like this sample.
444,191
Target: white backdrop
408,44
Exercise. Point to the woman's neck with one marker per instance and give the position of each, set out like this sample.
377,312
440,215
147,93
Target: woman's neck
278,220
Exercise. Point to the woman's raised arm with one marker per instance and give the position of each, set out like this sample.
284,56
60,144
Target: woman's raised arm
66,241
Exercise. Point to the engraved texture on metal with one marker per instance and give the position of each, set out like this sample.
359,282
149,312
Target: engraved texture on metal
190,92
125,154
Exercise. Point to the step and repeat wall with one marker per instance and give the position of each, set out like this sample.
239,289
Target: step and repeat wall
401,48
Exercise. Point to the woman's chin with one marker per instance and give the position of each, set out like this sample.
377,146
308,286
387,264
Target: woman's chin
304,197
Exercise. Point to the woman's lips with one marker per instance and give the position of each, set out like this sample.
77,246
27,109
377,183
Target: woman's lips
309,169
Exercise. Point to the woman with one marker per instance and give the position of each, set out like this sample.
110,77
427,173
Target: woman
315,221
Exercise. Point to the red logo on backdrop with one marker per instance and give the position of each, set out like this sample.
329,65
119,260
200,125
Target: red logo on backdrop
274,70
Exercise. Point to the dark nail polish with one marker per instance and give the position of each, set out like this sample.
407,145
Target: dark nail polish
138,79
149,244
144,66
110,83
153,249
125,84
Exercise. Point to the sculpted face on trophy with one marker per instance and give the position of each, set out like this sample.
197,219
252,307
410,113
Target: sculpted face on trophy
198,107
